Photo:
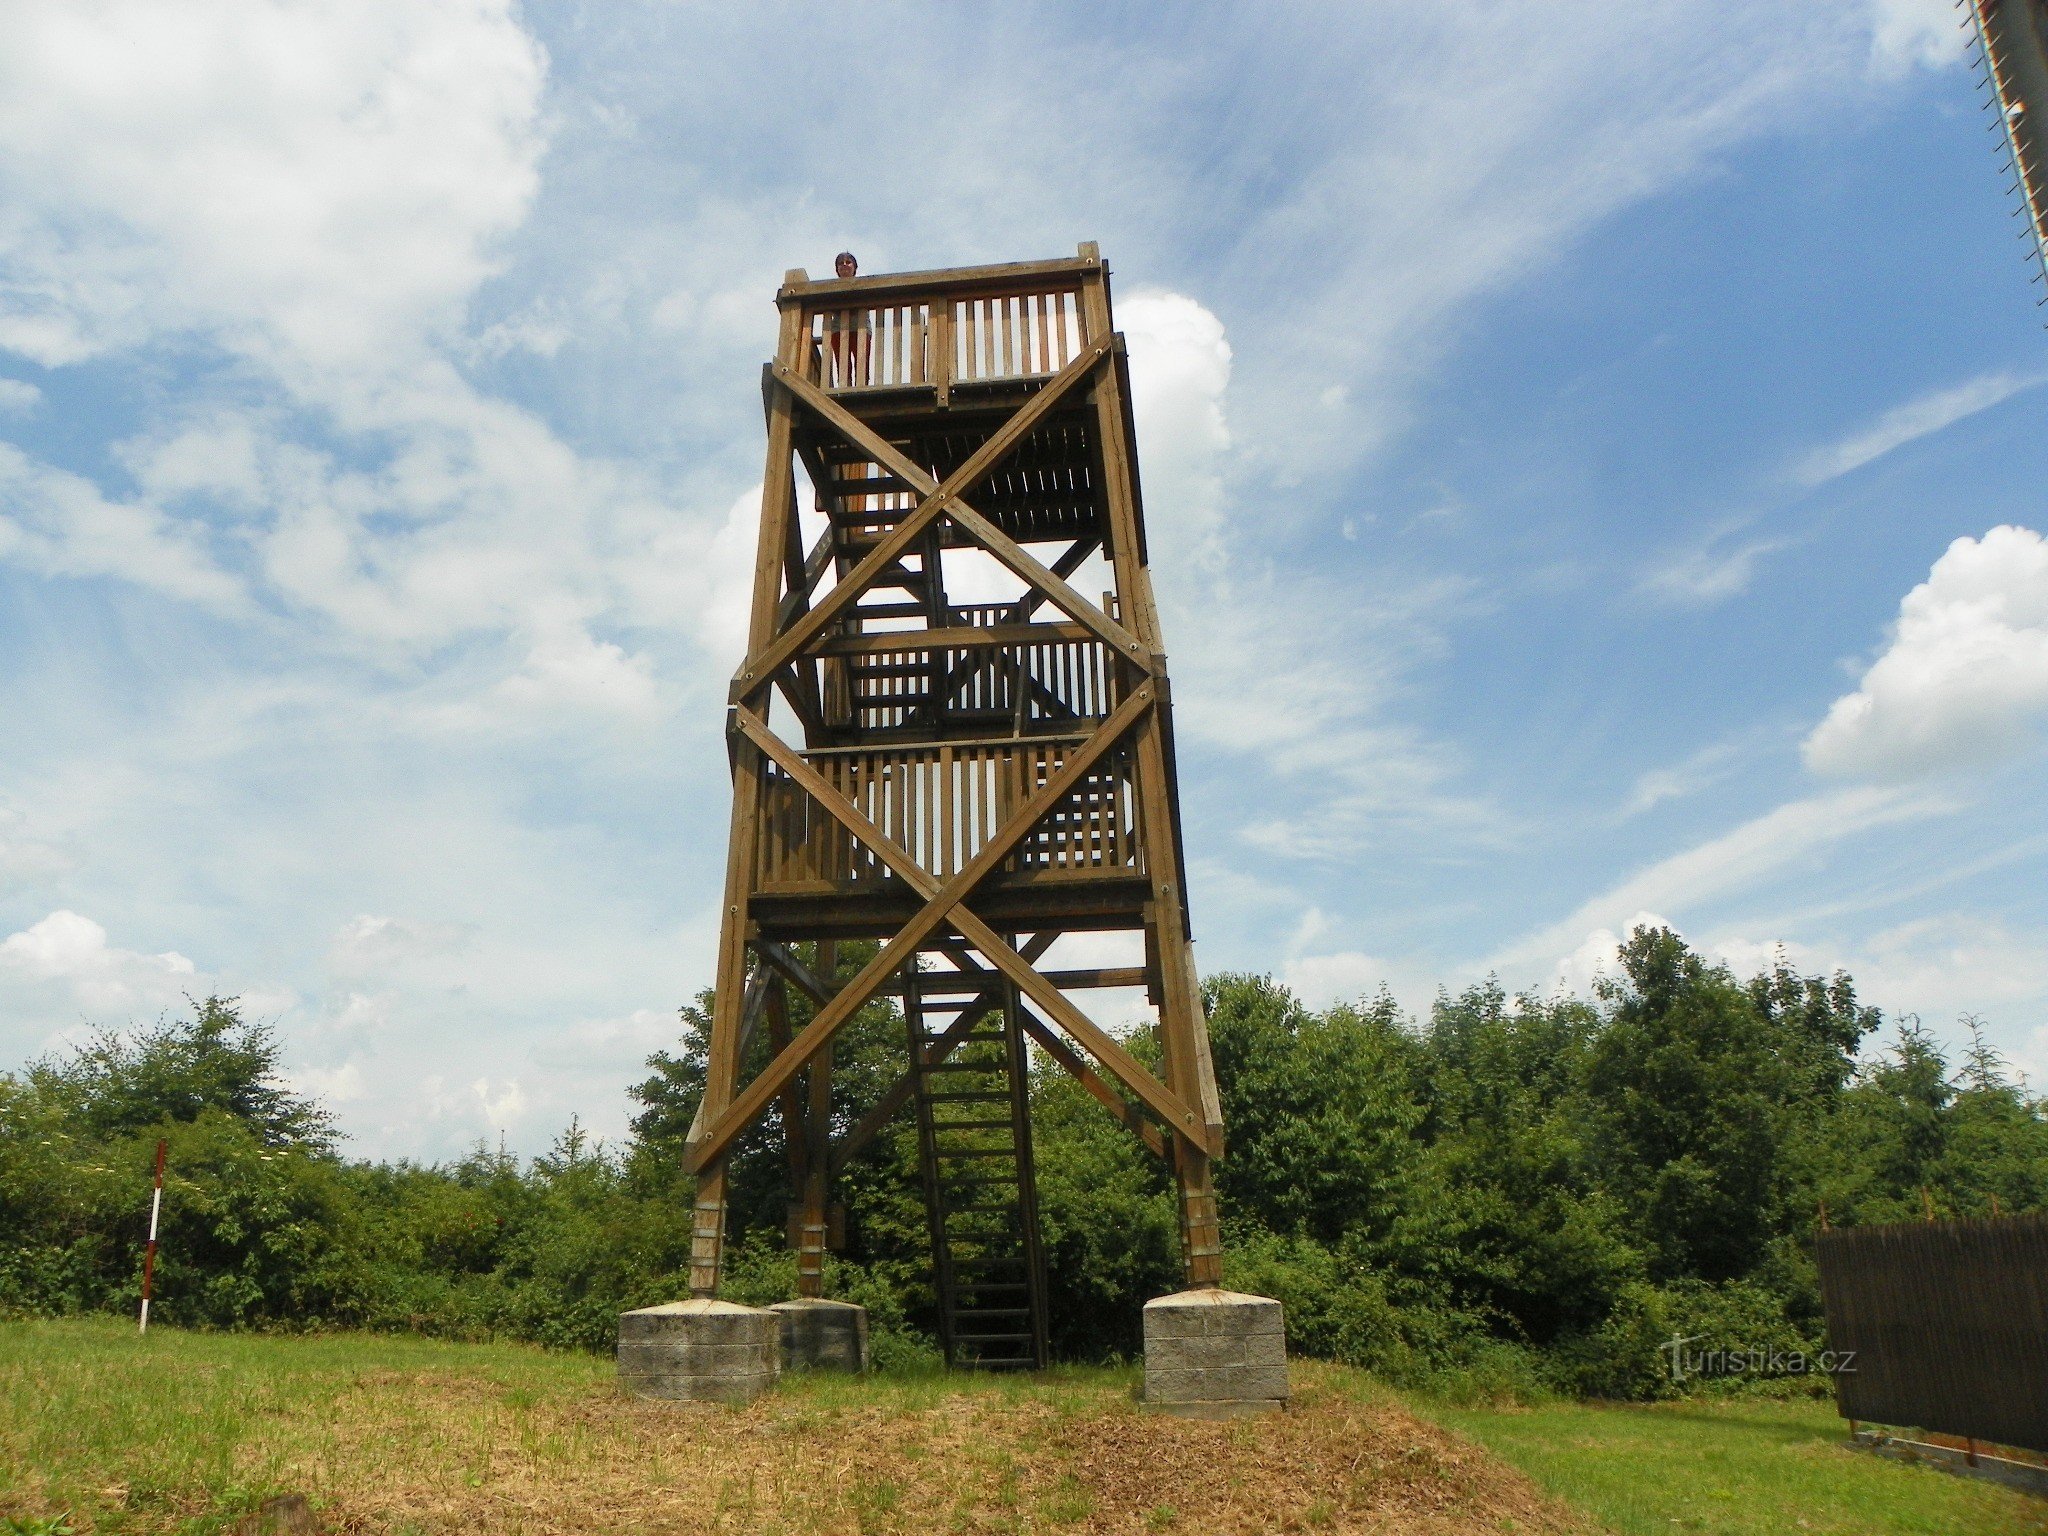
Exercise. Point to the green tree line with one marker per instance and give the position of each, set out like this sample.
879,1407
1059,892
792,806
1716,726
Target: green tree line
1514,1194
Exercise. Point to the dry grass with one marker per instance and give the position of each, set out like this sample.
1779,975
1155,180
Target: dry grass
394,1436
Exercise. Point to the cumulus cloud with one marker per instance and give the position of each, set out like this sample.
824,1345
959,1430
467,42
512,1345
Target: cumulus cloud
1180,369
343,1084
566,668
1598,956
317,193
503,1103
68,954
18,397
1965,676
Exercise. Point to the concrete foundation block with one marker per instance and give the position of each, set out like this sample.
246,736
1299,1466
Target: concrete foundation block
822,1335
1213,1353
700,1351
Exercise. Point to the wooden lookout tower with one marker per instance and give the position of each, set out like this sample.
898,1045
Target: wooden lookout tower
940,742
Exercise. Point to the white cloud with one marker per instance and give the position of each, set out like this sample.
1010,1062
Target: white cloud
342,1084
1914,33
1902,424
1598,956
567,669
1735,860
60,525
372,946
1342,976
502,1104
69,955
1965,674
18,397
322,179
1710,574
1180,369
1705,767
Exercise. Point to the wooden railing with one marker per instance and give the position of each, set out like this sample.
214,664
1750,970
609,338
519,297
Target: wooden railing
942,804
1026,684
949,340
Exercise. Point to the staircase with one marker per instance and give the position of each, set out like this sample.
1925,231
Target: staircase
974,1131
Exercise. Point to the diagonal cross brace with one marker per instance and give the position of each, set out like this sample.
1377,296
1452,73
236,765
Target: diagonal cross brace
756,671
944,904
1025,565
941,901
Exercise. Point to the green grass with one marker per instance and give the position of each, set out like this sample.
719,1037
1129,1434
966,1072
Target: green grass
182,1433
185,1432
93,1418
1733,1467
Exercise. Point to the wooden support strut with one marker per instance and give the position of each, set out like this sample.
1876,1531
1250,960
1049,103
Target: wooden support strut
944,904
1029,764
946,498
766,659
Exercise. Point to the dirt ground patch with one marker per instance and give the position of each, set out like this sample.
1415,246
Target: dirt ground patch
432,1459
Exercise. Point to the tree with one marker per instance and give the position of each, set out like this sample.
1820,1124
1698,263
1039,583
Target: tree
1688,1092
1321,1109
116,1085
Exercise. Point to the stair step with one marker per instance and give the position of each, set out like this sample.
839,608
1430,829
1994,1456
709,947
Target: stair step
979,1313
950,1153
973,1125
991,1338
968,1098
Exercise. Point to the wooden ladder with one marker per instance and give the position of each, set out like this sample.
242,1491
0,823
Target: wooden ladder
981,1201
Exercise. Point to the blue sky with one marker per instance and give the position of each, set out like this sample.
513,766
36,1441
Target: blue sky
1592,455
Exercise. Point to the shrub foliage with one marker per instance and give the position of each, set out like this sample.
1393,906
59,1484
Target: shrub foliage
1513,1195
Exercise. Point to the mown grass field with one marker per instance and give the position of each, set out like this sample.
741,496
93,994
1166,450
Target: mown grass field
187,1433
1733,1467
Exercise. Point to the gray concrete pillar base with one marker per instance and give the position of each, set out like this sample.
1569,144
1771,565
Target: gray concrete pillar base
700,1351
820,1335
1215,1354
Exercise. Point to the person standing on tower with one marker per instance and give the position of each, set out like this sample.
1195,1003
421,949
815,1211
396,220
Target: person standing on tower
848,336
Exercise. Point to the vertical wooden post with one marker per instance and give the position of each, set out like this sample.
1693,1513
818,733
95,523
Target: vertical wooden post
749,767
1183,1035
813,1216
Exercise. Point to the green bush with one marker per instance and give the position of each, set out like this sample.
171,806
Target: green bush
1513,1197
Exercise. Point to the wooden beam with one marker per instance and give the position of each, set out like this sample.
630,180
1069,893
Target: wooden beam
818,988
943,902
952,282
1103,1046
957,637
1077,1067
999,544
762,663
870,1124
1167,1104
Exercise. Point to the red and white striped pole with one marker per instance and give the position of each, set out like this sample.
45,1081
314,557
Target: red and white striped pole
156,1205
